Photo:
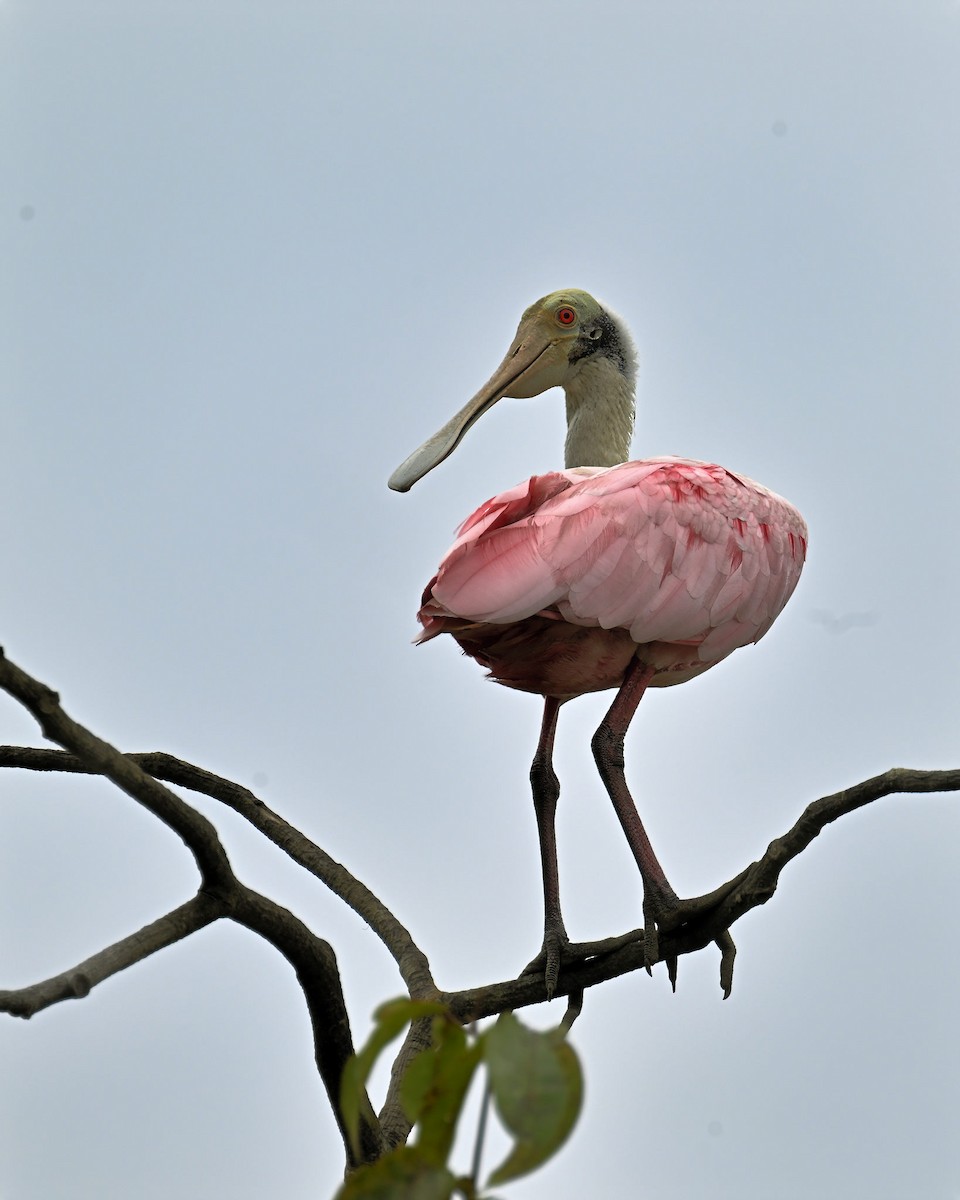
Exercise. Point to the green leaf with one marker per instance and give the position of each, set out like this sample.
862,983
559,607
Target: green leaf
389,1020
403,1174
434,1087
537,1087
416,1083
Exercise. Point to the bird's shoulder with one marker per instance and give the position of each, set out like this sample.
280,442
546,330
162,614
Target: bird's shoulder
664,491
517,503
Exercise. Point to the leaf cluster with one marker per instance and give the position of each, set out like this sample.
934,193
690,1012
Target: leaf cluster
533,1078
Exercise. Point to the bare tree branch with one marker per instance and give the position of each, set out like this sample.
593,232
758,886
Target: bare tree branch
717,911
394,1122
316,968
706,919
412,962
311,957
197,833
758,882
77,982
221,894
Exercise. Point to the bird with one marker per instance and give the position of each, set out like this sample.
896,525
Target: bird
609,574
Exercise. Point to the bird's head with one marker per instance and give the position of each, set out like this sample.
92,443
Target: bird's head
555,340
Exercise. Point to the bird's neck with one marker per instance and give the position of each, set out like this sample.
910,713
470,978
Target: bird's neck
600,414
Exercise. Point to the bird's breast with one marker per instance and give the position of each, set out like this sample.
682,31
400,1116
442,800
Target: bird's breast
675,560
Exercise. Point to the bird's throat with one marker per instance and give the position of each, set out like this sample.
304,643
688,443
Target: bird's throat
600,415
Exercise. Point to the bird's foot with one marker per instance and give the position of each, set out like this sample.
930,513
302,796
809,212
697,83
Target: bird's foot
555,952
564,953
660,908
664,912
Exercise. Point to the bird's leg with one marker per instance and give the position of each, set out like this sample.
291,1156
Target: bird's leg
660,902
546,793
659,897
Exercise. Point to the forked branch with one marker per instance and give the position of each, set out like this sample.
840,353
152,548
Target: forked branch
412,962
221,894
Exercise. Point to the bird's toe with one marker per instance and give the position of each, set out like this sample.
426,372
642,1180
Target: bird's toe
667,914
554,952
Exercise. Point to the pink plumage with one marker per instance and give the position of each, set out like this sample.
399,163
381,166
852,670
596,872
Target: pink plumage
556,584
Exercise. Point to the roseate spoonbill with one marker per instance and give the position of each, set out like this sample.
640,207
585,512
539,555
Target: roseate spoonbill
609,574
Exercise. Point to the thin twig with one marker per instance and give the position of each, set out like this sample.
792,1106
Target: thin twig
77,982
481,1131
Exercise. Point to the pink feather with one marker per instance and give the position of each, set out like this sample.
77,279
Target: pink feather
686,559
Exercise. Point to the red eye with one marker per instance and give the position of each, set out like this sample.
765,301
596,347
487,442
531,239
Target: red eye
566,316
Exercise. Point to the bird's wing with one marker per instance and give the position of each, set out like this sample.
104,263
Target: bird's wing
494,571
671,549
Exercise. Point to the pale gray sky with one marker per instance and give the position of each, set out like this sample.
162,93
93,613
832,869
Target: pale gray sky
252,255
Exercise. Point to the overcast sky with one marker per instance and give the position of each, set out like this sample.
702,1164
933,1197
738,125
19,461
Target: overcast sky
252,255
